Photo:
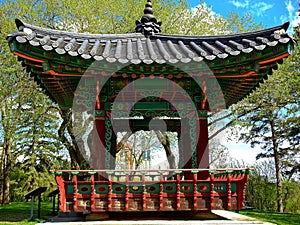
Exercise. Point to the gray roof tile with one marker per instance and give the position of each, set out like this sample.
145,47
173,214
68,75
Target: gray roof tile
159,48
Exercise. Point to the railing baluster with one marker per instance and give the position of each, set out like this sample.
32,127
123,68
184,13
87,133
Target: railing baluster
212,196
178,190
161,180
144,206
109,196
228,186
127,192
62,191
75,187
92,179
195,199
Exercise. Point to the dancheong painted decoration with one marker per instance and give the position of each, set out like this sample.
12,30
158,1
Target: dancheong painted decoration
139,77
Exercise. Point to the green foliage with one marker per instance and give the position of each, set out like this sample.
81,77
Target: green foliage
291,197
240,24
270,119
274,119
28,123
261,189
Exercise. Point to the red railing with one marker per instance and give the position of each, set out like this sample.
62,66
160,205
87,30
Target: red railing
151,190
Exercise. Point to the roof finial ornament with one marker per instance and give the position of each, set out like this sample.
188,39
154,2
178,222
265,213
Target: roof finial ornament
148,24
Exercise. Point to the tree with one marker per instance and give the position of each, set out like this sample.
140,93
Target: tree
273,121
27,124
240,24
260,189
138,147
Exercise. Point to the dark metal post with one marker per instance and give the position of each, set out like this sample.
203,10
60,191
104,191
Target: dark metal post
31,209
53,203
39,206
57,202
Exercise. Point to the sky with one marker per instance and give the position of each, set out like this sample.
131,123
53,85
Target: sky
269,12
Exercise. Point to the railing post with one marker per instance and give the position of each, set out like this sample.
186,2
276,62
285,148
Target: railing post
228,186
243,183
195,198
109,195
62,192
92,178
75,187
161,179
178,189
127,192
144,204
212,196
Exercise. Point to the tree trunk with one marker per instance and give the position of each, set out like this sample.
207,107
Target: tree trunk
6,171
77,159
277,169
165,141
2,164
122,142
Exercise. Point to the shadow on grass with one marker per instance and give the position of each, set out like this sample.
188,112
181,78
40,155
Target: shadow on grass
20,212
273,217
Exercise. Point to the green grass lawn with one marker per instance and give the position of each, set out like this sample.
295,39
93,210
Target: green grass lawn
18,213
273,217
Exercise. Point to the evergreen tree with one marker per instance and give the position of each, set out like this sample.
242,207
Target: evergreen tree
273,121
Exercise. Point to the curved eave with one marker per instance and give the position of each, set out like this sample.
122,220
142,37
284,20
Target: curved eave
57,59
135,48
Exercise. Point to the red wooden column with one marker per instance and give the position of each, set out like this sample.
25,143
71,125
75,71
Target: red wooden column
202,149
202,145
186,151
99,149
187,148
62,192
92,191
75,188
113,149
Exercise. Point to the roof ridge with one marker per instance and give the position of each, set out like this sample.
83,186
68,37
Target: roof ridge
21,25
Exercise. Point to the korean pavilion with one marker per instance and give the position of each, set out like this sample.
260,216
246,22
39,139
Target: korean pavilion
133,79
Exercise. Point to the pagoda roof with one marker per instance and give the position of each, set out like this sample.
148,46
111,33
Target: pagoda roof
57,59
136,48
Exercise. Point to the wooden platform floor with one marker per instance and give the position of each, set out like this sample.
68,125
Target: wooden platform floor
215,217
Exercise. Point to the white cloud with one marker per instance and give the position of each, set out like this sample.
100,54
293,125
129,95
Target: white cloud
291,16
238,149
290,8
240,4
243,152
296,21
260,8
